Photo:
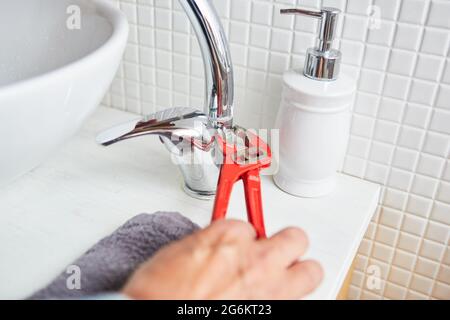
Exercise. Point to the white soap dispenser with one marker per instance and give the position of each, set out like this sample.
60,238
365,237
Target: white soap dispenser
314,116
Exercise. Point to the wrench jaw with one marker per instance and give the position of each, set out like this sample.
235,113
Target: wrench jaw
244,146
244,155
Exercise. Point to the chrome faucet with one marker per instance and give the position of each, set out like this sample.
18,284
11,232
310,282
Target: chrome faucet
186,132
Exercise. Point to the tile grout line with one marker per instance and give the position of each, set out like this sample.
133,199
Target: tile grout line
432,198
395,144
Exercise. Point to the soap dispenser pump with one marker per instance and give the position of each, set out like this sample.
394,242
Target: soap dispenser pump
322,62
314,116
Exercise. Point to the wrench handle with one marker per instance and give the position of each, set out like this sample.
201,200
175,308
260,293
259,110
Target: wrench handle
223,194
253,200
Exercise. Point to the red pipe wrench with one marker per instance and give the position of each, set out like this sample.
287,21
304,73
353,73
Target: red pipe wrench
244,155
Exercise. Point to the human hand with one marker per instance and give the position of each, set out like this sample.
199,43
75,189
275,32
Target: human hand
226,261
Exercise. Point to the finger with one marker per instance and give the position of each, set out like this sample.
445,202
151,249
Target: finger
302,278
227,231
285,247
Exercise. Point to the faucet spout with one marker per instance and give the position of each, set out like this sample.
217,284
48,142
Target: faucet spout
189,134
219,81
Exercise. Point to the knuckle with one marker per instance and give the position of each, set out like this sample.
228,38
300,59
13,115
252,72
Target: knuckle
264,256
314,272
218,224
227,253
231,231
295,235
236,226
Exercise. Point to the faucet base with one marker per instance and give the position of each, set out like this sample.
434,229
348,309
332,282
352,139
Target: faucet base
201,195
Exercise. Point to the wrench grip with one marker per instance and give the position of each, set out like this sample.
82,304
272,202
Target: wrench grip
253,201
223,194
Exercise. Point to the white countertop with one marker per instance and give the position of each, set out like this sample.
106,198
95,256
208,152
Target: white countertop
84,192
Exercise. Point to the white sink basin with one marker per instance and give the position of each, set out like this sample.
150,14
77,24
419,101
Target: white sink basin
55,67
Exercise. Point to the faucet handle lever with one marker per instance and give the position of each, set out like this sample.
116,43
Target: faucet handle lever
173,121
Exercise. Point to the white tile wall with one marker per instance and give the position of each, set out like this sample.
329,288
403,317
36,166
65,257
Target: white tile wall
399,51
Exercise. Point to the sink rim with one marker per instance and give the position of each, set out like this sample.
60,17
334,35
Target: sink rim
120,30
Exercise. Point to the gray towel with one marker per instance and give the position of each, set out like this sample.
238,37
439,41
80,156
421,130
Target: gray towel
108,264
